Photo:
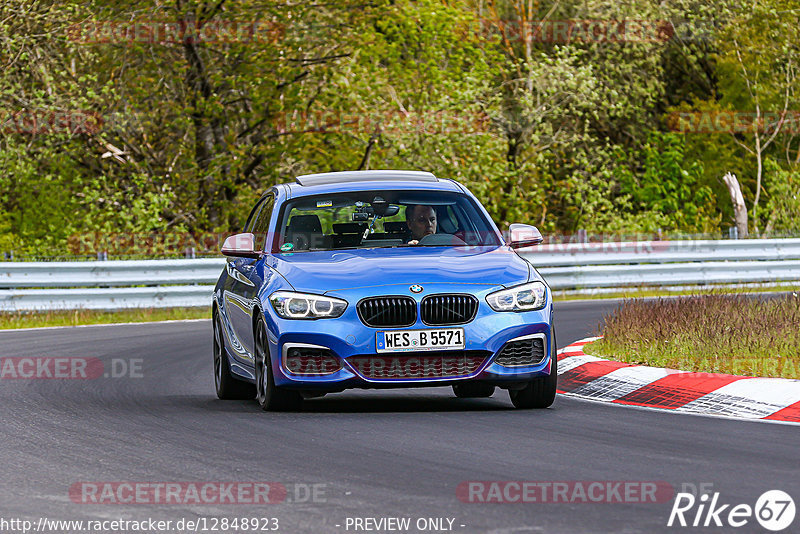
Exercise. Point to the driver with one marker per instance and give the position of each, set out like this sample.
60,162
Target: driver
421,220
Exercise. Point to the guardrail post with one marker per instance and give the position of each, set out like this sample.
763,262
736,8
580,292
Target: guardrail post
102,256
190,253
733,233
583,236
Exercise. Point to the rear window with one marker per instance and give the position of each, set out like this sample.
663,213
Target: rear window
373,219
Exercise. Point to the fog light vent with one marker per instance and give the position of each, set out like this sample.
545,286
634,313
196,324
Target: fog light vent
522,352
309,361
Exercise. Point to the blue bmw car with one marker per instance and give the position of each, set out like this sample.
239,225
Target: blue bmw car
380,279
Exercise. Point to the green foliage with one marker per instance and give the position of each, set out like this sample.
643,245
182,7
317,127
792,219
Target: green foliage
783,203
669,187
759,62
564,135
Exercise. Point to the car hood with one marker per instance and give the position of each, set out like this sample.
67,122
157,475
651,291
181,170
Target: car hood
323,271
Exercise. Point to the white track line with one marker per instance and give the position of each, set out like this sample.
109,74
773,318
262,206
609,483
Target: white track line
621,382
749,397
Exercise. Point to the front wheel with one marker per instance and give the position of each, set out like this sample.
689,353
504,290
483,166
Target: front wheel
539,392
270,397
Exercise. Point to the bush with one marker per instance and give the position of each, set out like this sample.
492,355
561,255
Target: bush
736,334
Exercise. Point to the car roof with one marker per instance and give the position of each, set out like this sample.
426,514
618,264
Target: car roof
364,176
343,182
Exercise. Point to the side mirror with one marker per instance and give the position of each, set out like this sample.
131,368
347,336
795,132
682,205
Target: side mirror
240,246
523,235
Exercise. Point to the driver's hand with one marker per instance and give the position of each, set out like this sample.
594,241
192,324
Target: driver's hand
413,242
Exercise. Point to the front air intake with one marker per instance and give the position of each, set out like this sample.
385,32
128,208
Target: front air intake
522,352
419,365
310,360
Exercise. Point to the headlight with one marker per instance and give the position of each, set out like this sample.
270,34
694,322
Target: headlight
527,297
290,305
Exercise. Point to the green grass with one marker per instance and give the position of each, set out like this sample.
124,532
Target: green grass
735,334
84,317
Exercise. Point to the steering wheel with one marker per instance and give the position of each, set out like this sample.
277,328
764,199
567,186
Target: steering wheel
447,240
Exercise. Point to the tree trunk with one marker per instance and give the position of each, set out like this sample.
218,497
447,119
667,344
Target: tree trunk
739,207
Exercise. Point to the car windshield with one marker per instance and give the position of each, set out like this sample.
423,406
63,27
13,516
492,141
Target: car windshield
372,219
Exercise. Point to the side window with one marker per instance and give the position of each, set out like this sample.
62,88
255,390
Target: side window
261,226
447,222
251,220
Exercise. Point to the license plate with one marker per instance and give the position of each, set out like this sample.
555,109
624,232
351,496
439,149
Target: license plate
420,340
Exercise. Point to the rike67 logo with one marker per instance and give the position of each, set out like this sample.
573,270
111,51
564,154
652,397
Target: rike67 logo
774,510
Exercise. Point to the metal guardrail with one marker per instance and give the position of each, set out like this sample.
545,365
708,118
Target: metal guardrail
107,285
573,266
106,299
666,263
644,252
110,273
699,273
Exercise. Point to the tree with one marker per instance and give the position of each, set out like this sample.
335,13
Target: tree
758,61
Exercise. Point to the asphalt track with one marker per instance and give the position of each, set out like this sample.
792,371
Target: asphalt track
376,454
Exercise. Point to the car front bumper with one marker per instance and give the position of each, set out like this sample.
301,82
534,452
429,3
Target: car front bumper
350,341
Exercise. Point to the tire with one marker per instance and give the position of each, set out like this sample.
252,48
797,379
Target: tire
539,392
227,386
270,397
473,390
